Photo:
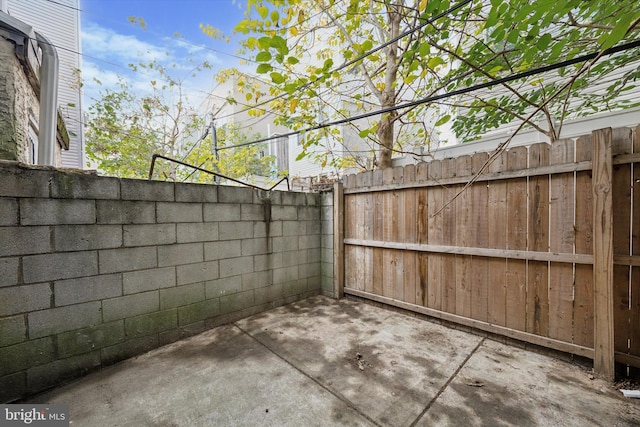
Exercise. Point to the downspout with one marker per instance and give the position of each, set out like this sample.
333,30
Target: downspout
48,102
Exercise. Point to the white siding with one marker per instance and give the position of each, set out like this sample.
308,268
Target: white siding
60,23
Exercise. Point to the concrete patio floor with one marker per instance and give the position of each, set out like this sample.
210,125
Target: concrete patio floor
321,362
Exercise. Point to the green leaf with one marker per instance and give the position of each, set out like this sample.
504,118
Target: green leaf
277,78
263,11
264,43
292,60
364,133
263,56
444,119
279,44
264,68
544,41
435,61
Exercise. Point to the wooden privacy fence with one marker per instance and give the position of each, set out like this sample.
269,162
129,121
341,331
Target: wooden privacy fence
542,247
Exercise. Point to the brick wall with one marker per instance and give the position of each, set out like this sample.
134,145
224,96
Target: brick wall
94,270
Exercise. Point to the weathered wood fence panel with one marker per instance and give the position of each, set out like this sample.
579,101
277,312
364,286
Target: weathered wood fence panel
509,250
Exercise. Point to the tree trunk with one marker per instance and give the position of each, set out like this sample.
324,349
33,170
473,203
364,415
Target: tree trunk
386,139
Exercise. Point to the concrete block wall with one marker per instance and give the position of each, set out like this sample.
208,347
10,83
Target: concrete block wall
94,270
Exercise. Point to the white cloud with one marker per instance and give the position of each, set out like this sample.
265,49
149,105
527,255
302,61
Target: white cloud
105,43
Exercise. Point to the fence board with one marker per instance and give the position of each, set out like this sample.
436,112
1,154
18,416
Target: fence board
583,300
561,221
449,278
497,224
480,239
435,224
621,242
634,317
538,238
516,239
463,236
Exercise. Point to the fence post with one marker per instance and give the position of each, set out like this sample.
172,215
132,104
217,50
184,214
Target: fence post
338,240
603,320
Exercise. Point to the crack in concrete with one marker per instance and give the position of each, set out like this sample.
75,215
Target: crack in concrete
339,396
446,385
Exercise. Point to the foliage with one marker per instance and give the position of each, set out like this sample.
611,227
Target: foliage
298,45
124,130
242,163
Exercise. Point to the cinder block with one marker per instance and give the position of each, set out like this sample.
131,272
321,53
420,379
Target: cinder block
42,377
130,306
57,211
252,212
311,270
314,255
196,273
284,213
308,213
22,299
285,274
236,266
198,312
268,294
90,339
256,280
13,387
255,246
276,260
261,262
151,323
235,230
137,189
196,193
94,288
197,232
14,330
55,320
128,349
29,353
127,259
83,186
236,302
259,229
275,196
326,228
293,228
295,287
291,258
135,282
221,212
283,244
149,234
187,253
314,199
290,198
326,270
179,212
125,212
326,213
275,229
87,237
18,182
24,240
314,227
9,271
327,255
309,242
227,194
225,286
181,295
8,211
222,250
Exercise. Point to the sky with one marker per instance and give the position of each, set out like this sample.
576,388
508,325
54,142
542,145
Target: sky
171,35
